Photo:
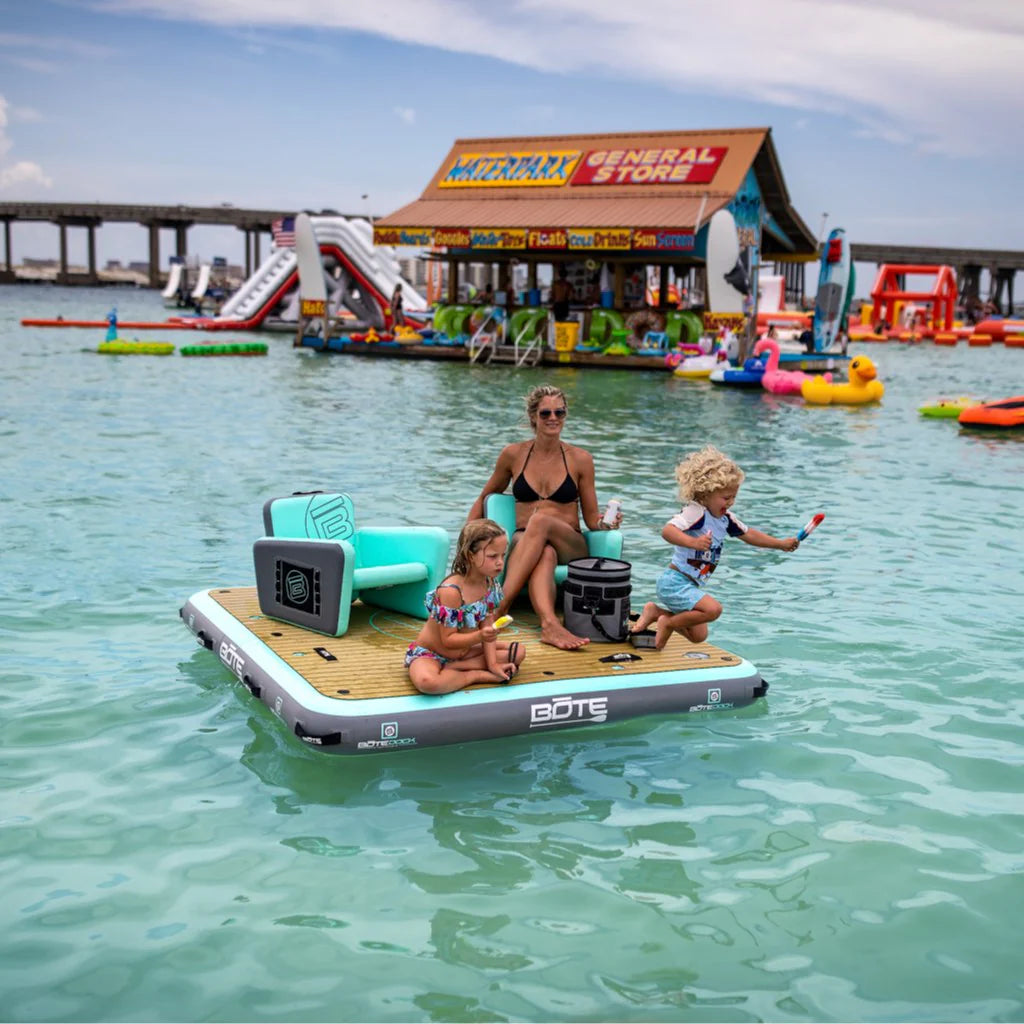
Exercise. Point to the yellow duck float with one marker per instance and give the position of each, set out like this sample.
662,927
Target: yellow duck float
863,386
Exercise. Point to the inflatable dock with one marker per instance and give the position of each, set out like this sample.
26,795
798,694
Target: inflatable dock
351,694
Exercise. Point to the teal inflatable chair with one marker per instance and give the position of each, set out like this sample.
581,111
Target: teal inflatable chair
600,543
314,562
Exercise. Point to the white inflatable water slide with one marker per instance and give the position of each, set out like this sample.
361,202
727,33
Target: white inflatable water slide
350,254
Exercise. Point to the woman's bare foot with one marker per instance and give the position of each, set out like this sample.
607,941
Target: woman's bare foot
647,616
555,634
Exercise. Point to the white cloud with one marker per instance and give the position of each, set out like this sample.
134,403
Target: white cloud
940,74
407,114
24,172
17,41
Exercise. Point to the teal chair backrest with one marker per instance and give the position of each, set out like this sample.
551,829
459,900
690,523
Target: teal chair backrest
390,567
315,515
600,543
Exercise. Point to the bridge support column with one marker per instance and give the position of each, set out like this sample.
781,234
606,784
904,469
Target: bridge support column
7,274
1010,274
154,255
181,240
63,272
91,229
1000,276
256,248
970,281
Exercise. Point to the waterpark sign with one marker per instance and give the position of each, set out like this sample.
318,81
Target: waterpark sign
551,239
511,170
695,165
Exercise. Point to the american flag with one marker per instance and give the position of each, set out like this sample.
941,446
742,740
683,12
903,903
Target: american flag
283,231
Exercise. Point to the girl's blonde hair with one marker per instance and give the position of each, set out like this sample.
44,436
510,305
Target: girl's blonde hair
475,534
535,396
704,472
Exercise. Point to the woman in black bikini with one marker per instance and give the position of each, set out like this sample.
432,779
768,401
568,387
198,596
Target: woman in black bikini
553,485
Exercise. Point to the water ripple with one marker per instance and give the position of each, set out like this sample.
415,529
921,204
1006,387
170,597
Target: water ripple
847,849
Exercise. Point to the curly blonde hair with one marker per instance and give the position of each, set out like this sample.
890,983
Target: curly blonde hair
475,534
702,473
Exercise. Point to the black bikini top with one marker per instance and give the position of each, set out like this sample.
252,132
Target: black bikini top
566,494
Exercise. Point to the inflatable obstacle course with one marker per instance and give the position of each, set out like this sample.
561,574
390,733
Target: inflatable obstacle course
121,347
234,348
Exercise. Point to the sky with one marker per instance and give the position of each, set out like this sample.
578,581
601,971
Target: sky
901,121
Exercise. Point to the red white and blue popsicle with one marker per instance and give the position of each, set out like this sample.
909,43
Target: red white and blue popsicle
812,524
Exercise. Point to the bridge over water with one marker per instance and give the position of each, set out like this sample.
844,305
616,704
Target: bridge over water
1001,264
90,216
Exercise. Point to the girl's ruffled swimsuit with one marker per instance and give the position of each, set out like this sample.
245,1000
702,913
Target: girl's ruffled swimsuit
466,616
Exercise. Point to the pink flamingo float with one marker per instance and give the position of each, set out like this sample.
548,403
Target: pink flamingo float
780,382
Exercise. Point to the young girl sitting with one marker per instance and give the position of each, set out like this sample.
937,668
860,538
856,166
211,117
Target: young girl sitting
708,482
457,645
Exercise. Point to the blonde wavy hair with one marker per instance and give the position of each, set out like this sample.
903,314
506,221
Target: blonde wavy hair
475,534
702,473
536,395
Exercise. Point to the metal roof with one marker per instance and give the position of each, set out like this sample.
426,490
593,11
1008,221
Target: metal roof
558,212
450,201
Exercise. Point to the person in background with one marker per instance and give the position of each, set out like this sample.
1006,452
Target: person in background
561,294
708,484
553,486
397,307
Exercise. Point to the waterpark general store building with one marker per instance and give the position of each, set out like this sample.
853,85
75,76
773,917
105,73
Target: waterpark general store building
618,201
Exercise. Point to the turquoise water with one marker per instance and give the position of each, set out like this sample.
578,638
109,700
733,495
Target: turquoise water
848,849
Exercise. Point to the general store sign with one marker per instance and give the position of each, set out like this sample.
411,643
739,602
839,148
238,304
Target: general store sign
514,169
694,165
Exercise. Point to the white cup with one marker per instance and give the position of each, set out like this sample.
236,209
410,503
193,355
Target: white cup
611,513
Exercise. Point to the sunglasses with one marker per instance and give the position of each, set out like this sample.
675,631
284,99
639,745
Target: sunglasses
546,414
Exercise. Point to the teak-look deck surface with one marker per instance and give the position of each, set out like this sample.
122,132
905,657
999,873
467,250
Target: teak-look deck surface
368,660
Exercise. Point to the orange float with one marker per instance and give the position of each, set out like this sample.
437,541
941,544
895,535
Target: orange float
1008,412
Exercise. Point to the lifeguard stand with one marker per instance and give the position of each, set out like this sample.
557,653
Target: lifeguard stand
889,291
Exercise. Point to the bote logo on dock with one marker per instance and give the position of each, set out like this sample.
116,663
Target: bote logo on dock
569,709
231,657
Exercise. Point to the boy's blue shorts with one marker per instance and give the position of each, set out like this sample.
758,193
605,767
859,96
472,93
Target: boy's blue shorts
676,591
